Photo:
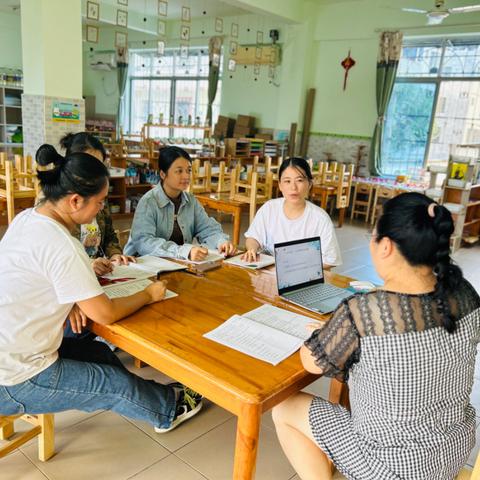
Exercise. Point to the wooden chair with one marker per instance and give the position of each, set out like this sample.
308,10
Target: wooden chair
18,184
335,184
382,193
362,200
201,181
43,426
221,178
252,191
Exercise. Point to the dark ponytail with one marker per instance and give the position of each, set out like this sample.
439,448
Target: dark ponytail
76,173
81,142
421,230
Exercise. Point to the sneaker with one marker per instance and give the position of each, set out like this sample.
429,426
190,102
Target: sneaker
188,405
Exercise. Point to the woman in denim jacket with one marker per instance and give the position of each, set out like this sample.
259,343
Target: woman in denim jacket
168,218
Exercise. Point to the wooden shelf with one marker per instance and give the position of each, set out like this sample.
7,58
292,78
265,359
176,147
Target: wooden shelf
115,195
140,186
119,216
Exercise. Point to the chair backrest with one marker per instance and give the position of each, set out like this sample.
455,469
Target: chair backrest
201,181
18,183
344,183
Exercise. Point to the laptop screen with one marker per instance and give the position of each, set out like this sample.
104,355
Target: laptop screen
298,264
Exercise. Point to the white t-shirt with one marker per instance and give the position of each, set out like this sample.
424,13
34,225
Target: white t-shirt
271,226
44,271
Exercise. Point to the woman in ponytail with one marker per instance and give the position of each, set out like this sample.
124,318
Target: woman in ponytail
45,274
408,353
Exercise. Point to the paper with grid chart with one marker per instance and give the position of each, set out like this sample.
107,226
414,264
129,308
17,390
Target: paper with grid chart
268,333
129,288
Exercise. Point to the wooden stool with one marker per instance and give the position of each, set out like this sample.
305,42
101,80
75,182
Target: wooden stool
43,426
362,205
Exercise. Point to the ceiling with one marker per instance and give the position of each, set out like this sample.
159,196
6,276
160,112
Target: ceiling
212,8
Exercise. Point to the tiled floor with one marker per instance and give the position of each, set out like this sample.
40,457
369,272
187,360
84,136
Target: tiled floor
106,446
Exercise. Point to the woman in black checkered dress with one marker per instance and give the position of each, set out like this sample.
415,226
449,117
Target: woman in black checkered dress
408,353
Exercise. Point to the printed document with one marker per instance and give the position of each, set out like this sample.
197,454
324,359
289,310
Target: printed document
268,333
126,289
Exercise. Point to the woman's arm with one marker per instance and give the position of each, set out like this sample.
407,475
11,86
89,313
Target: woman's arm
206,228
105,311
308,361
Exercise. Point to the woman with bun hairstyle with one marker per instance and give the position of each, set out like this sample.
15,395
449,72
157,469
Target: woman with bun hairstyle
45,273
408,353
168,218
99,237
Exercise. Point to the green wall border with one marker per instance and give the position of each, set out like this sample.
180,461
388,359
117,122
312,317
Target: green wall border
340,135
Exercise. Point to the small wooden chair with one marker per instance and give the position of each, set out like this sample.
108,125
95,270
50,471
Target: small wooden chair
253,191
382,193
201,181
221,178
362,200
18,184
43,426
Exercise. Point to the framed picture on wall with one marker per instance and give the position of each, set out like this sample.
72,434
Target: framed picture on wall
271,71
92,34
186,14
120,39
160,47
258,53
231,65
219,25
93,10
256,69
259,37
122,18
233,48
123,2
234,30
162,8
162,28
185,33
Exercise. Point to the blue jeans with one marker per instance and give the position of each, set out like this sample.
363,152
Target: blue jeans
88,376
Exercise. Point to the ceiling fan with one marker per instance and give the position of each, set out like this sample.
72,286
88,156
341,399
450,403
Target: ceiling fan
440,12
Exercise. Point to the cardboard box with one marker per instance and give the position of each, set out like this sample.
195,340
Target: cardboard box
264,136
245,121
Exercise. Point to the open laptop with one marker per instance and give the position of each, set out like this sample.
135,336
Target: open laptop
300,277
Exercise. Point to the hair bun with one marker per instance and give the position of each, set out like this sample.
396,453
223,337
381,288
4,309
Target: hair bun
47,155
67,141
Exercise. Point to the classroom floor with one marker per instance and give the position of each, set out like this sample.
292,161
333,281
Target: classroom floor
107,446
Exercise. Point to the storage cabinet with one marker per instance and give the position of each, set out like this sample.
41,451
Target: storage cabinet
10,118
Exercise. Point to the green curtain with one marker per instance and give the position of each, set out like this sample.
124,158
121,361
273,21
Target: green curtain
387,64
122,74
214,52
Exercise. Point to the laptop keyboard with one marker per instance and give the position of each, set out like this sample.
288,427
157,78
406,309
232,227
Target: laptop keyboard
314,295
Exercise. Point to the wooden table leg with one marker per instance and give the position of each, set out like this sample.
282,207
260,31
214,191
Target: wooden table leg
248,430
324,199
237,217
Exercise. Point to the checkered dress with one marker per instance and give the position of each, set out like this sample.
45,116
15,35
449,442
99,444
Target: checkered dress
410,383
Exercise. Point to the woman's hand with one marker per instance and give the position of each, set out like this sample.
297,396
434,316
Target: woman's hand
250,255
156,290
118,259
197,254
228,248
311,327
78,320
102,266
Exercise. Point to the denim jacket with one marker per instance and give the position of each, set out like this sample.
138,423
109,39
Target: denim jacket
153,225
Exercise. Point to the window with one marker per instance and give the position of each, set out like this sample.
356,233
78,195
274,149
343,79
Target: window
435,103
169,87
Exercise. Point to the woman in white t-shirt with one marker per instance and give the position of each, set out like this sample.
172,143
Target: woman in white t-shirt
292,217
45,275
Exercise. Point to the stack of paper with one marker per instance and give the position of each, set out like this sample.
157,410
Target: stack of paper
263,261
268,333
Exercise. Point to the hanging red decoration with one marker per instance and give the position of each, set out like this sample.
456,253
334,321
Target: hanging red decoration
347,64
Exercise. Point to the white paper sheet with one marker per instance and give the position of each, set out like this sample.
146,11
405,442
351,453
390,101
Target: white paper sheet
268,333
156,264
126,289
255,339
263,261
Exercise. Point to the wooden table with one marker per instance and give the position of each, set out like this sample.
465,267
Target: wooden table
222,203
169,337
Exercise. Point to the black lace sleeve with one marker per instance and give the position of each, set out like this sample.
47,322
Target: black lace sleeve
336,346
